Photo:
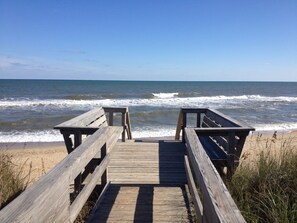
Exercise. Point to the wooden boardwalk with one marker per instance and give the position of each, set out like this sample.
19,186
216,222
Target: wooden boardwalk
147,184
138,181
159,162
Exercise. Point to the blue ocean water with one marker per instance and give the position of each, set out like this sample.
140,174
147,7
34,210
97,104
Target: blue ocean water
30,108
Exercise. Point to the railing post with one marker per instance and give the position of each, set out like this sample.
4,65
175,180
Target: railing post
124,126
128,125
184,125
199,120
231,153
104,175
78,179
110,123
68,142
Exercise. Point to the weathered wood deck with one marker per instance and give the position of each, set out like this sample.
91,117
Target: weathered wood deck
137,181
143,203
159,162
147,184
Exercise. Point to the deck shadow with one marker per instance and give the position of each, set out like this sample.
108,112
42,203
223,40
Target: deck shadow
171,162
144,204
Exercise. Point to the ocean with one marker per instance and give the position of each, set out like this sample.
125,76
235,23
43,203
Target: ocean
29,109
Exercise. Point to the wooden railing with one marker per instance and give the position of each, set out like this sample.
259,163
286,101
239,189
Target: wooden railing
49,199
215,204
182,120
221,136
125,119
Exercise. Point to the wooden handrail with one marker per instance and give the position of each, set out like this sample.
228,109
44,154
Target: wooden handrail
182,119
125,122
217,204
48,200
182,122
179,125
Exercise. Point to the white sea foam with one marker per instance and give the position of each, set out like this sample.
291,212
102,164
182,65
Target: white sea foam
56,136
158,101
153,132
36,136
137,132
165,95
282,127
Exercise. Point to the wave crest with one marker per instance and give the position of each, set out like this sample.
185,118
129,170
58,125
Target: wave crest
165,95
160,100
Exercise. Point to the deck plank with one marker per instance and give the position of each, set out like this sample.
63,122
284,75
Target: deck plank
143,203
147,184
148,162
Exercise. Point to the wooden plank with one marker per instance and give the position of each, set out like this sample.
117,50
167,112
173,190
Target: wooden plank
110,118
184,125
218,205
148,169
198,123
129,132
225,120
148,163
208,122
212,149
124,127
179,126
83,196
193,190
221,118
142,203
42,199
193,110
116,109
68,142
239,146
80,158
220,130
100,122
82,120
98,202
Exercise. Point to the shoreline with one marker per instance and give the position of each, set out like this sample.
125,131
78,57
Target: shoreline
28,145
39,145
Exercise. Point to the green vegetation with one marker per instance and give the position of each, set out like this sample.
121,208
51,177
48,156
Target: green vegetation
266,190
12,180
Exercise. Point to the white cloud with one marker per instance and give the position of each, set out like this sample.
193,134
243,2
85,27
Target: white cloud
29,67
6,61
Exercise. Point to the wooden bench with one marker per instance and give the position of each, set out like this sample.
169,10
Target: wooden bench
50,198
74,129
86,124
222,137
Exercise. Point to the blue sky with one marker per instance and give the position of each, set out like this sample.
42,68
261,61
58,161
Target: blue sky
253,40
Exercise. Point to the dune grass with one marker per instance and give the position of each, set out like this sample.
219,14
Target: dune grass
265,188
12,179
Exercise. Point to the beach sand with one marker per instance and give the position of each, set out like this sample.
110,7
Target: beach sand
270,144
41,157
35,158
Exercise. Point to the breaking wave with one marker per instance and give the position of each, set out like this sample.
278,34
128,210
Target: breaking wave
159,100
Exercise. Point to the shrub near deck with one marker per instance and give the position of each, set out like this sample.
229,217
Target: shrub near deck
12,182
267,191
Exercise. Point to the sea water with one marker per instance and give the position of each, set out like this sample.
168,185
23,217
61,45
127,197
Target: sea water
29,109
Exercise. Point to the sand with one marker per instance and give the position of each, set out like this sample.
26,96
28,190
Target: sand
42,157
36,159
268,143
